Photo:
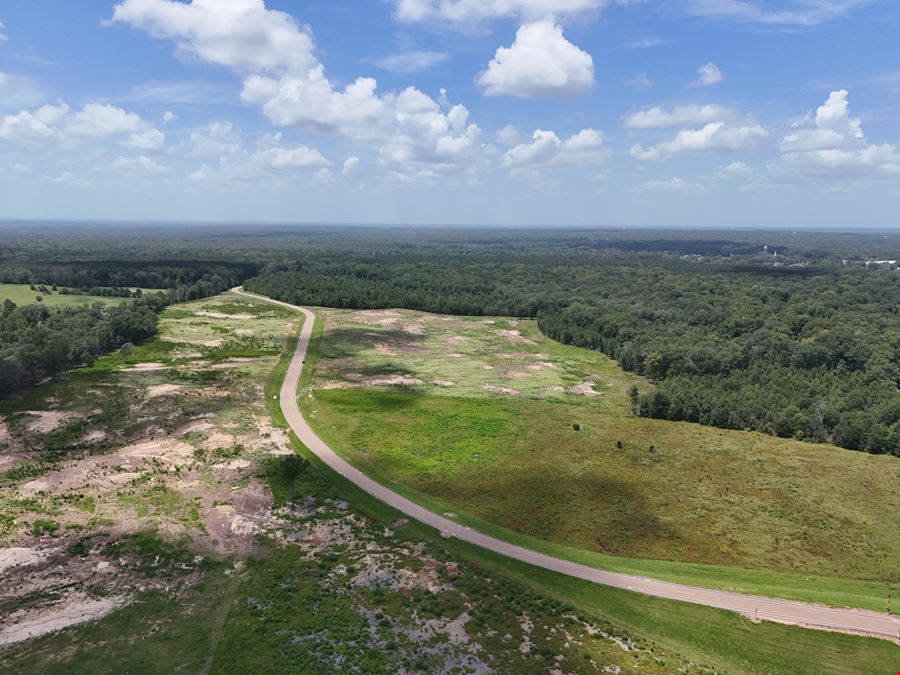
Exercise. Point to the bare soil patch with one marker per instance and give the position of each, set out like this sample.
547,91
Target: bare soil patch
145,367
585,389
515,337
500,390
47,420
75,609
221,315
157,390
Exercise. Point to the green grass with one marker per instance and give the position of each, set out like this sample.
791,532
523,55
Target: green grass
722,640
717,508
21,294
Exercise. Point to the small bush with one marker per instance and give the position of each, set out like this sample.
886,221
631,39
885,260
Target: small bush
42,526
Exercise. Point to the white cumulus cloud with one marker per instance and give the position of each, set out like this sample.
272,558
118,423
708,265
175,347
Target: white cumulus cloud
546,149
239,34
414,133
475,11
833,144
657,117
708,75
714,137
541,62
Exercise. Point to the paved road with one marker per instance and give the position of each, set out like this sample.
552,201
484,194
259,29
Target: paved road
754,607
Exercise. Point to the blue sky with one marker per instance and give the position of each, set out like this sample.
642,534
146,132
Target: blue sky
747,113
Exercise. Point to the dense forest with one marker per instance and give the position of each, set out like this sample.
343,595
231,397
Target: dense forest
790,333
37,341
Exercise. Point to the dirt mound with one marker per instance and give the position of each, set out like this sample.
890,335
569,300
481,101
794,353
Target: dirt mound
515,337
585,389
164,390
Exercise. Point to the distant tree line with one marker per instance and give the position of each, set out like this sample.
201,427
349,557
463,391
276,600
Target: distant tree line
811,353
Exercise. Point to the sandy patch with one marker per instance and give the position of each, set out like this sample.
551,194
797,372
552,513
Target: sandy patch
169,451
194,341
48,421
145,367
20,557
445,383
10,461
515,374
96,436
500,390
195,427
234,465
221,315
75,609
486,367
217,440
541,365
515,337
111,471
585,389
158,390
455,355
392,381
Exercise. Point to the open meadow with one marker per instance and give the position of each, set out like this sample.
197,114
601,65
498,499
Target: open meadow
21,294
489,420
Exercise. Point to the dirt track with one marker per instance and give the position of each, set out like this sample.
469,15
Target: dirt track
754,607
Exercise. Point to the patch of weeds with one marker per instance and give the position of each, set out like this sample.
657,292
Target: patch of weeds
27,470
162,501
151,555
232,452
43,526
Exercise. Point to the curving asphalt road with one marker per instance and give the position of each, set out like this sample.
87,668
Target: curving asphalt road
756,608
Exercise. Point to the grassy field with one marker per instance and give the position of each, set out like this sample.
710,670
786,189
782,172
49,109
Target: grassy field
21,294
708,506
334,581
158,482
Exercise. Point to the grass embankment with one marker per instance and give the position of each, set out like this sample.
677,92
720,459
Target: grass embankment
21,294
733,510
